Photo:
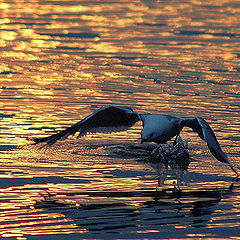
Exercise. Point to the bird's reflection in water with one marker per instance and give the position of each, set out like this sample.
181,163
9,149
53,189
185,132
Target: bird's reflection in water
193,208
196,206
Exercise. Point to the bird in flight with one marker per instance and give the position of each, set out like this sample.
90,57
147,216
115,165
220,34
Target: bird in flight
157,128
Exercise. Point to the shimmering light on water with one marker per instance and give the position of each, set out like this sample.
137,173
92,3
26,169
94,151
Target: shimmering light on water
61,60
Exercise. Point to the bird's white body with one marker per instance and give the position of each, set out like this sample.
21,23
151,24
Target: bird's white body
159,128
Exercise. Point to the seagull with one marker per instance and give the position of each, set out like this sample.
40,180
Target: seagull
157,128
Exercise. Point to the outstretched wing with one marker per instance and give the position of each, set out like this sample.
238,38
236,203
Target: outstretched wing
107,119
212,142
206,133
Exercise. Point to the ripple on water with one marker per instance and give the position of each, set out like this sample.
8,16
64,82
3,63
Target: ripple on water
62,60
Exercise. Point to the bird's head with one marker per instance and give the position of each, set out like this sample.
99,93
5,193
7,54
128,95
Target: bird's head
148,135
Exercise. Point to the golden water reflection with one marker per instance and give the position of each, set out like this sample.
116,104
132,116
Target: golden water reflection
60,61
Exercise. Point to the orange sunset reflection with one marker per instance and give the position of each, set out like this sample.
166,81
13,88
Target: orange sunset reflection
61,61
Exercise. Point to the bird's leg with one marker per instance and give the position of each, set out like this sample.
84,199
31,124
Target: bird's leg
175,141
176,185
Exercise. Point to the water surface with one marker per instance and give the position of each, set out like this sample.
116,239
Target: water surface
61,60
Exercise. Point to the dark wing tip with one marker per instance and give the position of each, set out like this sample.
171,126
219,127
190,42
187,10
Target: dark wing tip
213,143
218,154
39,140
206,133
50,140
